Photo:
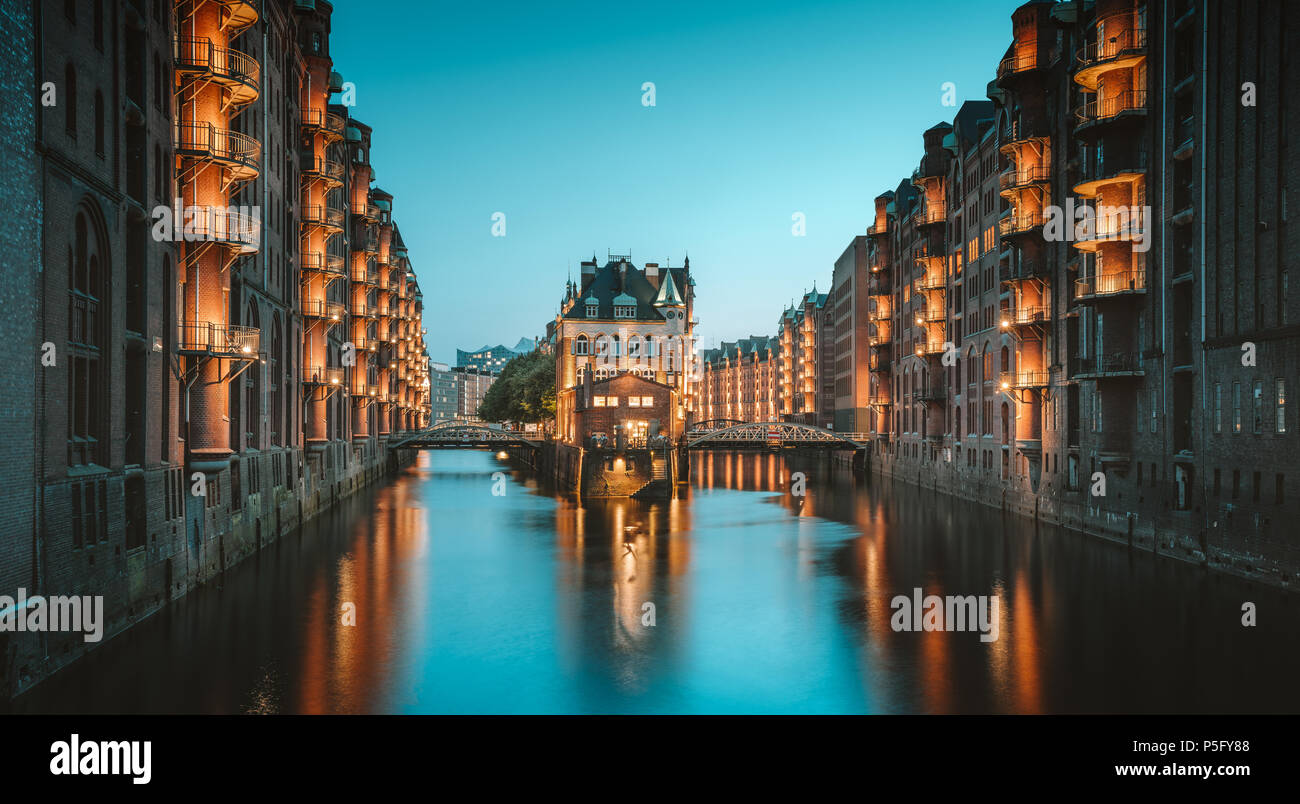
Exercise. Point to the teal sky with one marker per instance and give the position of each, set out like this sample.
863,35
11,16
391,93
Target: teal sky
762,110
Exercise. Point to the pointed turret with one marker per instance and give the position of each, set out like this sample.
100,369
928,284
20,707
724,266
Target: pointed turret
668,295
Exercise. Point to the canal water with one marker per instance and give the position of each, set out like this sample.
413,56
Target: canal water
739,597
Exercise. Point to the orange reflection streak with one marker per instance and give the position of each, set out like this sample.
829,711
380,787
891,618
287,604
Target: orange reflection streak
1024,650
936,660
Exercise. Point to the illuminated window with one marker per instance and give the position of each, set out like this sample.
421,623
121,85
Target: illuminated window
1281,410
611,401
634,401
598,401
649,401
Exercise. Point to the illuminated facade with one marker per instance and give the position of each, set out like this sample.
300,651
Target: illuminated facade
806,382
1079,301
619,319
740,381
229,347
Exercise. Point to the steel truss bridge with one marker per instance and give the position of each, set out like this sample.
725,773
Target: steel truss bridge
722,434
460,435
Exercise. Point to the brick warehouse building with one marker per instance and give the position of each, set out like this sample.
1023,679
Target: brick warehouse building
806,382
740,381
264,359
1155,348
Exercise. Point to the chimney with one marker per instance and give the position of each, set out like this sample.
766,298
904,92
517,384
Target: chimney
588,270
652,274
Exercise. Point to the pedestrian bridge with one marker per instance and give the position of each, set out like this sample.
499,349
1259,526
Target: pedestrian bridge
460,435
769,434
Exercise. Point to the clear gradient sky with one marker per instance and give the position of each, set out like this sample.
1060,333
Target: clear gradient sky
534,109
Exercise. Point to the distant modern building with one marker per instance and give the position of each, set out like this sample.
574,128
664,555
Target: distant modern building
492,358
471,386
442,392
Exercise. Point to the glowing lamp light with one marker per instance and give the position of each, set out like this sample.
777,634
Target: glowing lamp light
1005,385
1005,323
501,456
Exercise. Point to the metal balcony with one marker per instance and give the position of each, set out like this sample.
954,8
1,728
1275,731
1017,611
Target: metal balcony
218,340
1017,225
1113,284
1114,364
1021,380
235,71
228,227
322,375
1020,62
930,314
362,275
1026,316
1125,226
1125,104
929,216
326,123
236,152
932,281
316,262
319,308
1013,177
1120,50
326,170
322,216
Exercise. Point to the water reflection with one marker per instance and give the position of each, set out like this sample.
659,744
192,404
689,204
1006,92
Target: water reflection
738,597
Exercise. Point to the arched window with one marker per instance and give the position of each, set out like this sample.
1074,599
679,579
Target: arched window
580,346
70,100
957,424
87,341
1004,358
988,363
1006,423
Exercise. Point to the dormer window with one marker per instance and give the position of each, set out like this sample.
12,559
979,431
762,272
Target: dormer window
591,311
624,311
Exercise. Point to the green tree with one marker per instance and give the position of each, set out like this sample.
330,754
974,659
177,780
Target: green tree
525,391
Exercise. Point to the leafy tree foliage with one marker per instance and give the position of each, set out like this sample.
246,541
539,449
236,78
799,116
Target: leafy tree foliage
525,391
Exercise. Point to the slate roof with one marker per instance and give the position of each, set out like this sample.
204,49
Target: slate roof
609,282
